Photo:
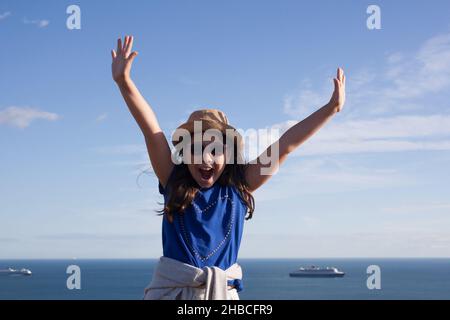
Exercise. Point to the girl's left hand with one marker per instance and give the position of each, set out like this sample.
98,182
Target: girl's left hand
338,98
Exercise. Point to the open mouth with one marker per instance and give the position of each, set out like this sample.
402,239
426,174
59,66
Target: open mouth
206,173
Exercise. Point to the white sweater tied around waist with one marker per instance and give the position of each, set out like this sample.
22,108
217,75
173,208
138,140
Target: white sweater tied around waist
175,280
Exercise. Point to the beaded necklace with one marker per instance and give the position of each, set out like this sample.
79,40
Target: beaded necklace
202,211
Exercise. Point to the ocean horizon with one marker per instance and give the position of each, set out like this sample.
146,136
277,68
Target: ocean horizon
263,279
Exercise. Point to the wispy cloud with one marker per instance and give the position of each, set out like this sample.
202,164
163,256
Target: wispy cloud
22,117
404,82
425,72
102,117
387,134
133,156
383,134
5,15
419,207
97,236
8,239
390,134
38,23
328,176
300,104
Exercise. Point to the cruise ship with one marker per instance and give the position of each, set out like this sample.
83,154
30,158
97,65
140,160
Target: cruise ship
11,271
314,271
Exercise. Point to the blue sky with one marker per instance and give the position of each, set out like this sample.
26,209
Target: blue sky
373,182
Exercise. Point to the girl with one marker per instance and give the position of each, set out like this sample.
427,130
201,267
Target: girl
205,202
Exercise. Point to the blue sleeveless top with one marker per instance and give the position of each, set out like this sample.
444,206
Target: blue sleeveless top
209,231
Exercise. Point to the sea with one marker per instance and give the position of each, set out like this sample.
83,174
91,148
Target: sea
263,279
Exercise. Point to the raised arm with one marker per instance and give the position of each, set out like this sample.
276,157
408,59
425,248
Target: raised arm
295,136
157,145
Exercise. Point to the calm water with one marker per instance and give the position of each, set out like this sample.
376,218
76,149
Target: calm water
263,279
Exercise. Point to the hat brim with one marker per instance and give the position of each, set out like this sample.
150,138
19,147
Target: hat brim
207,124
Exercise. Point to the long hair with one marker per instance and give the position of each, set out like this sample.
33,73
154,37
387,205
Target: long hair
182,187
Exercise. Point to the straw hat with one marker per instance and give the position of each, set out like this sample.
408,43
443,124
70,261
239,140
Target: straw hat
210,119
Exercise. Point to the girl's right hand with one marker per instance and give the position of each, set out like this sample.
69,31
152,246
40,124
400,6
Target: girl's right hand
122,60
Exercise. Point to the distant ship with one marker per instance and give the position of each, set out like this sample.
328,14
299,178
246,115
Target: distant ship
11,271
314,271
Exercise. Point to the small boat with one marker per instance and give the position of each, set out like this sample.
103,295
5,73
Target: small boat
314,271
11,271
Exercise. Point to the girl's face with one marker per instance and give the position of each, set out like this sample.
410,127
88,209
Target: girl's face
211,155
